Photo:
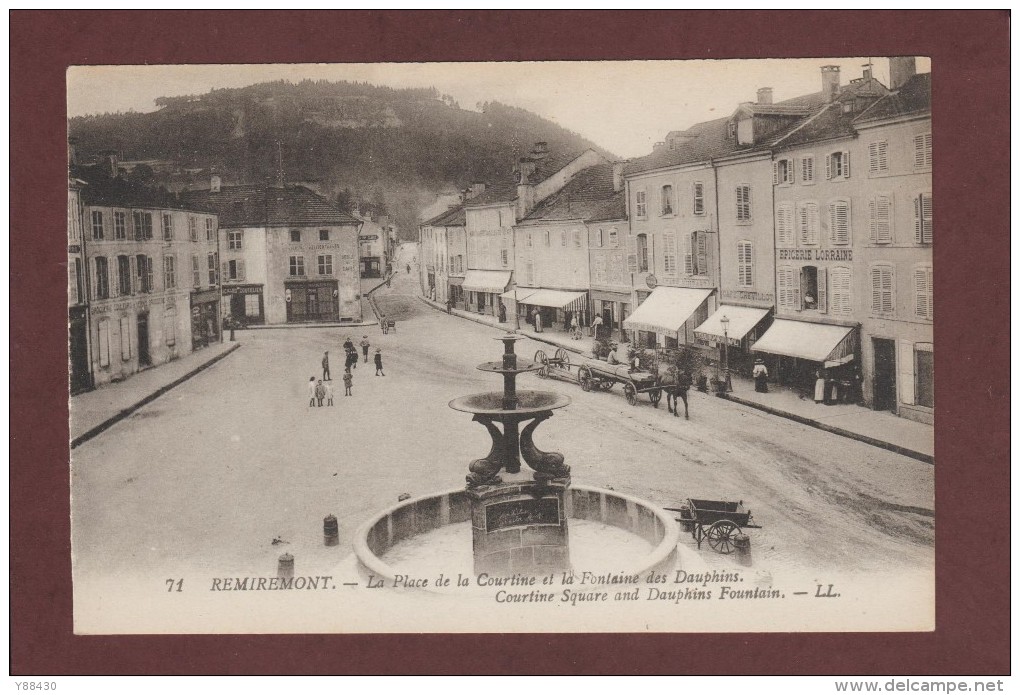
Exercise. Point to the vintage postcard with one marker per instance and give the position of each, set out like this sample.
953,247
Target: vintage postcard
502,347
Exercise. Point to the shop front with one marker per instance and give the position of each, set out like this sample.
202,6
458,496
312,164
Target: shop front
483,288
736,327
668,317
614,308
245,305
312,302
555,308
456,292
799,353
205,312
78,344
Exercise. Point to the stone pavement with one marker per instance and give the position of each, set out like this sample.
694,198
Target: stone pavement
879,428
95,411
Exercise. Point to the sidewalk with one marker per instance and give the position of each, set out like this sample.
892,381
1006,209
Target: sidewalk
878,428
95,411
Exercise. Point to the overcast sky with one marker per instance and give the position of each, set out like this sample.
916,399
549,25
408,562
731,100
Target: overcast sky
623,106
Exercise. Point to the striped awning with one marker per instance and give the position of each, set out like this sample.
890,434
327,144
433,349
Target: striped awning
666,310
558,299
742,320
815,342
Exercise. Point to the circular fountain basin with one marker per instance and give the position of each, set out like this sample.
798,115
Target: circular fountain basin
528,403
609,532
498,368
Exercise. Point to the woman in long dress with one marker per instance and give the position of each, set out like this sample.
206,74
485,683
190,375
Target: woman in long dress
819,386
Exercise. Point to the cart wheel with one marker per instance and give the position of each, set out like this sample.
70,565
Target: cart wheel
655,396
584,377
563,357
540,358
631,393
720,536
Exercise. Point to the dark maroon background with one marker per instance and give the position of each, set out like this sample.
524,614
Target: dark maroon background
970,58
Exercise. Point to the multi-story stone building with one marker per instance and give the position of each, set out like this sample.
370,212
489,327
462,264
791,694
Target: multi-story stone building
608,231
288,254
491,216
152,265
80,376
443,247
373,245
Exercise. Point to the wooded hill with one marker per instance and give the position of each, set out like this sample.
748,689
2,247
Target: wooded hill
392,149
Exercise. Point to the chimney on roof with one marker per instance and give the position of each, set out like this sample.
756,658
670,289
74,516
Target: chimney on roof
901,69
618,175
525,168
830,81
215,183
866,73
765,95
525,189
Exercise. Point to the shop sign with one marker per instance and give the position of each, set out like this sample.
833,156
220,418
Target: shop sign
846,255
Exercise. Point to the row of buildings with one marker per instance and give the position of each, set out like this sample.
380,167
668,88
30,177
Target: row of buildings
154,275
799,232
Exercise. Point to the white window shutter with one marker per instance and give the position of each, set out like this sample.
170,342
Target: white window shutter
651,253
926,218
918,220
240,270
226,271
828,166
823,290
905,369
846,164
775,173
632,265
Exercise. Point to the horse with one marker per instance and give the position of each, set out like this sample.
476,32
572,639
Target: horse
675,382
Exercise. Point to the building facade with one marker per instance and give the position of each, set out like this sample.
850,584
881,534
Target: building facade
442,244
288,255
79,357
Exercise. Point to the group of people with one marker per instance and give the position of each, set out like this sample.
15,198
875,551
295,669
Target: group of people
322,390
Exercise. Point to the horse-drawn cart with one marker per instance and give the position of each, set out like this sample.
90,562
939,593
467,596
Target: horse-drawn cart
602,377
723,519
557,366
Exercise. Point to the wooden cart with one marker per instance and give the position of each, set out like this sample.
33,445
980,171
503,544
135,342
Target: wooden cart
556,366
602,377
722,519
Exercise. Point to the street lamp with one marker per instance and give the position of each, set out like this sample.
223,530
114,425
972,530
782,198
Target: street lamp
727,384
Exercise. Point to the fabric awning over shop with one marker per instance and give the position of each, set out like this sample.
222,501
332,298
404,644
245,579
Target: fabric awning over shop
558,299
486,280
816,342
742,320
455,280
518,294
666,310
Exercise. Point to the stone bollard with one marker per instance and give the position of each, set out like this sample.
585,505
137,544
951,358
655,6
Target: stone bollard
742,543
285,569
330,530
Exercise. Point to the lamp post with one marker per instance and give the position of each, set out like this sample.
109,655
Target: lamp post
727,384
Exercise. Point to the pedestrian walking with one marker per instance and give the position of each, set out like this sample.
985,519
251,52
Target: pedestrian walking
325,367
596,322
378,362
819,386
311,391
364,347
538,322
761,376
408,268
320,392
348,382
329,393
348,344
575,328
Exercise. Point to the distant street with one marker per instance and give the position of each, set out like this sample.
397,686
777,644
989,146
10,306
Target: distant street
207,476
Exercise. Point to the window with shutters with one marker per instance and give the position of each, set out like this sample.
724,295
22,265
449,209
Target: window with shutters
922,218
125,338
784,224
212,263
123,276
840,288
141,273
192,228
235,240
839,222
168,227
325,263
529,272
76,289
923,292
880,219
599,238
878,157
577,238
295,235
642,253
698,205
695,249
669,260
548,238
922,151
745,264
120,225
102,278
807,169
143,225
196,272
667,199
527,240
614,238
169,272
788,286
104,342
210,229
234,270
837,166
807,223
170,326
97,224
882,289
640,205
809,287
743,200
782,172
